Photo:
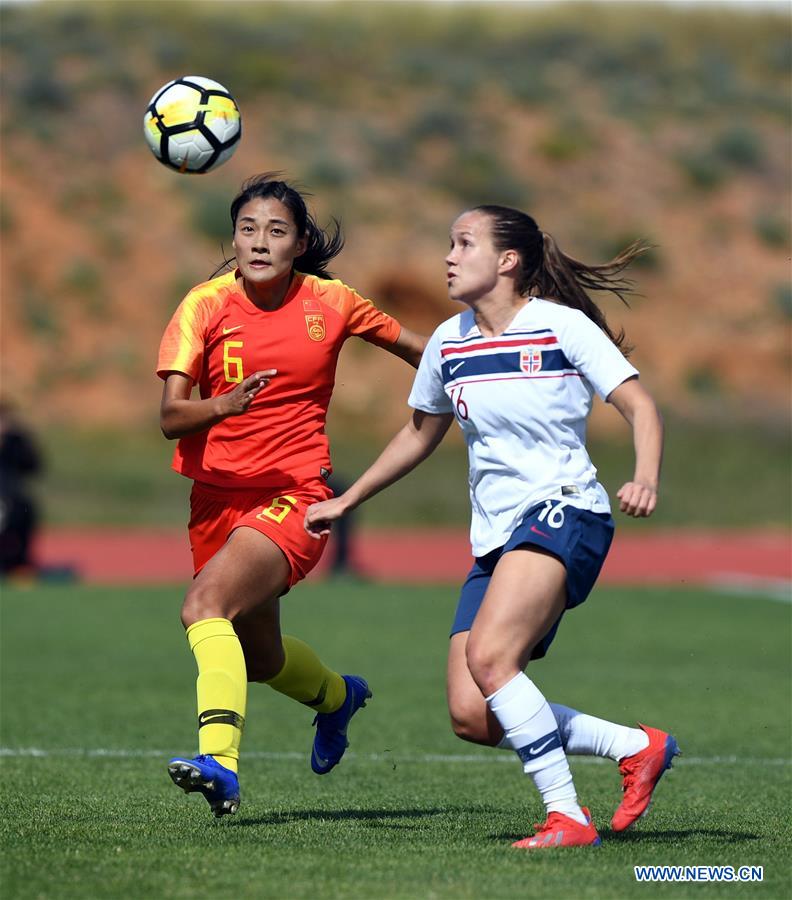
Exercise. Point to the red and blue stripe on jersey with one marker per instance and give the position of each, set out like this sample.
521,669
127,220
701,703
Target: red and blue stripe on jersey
514,354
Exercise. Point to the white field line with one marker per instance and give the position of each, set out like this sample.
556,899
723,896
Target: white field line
741,585
386,757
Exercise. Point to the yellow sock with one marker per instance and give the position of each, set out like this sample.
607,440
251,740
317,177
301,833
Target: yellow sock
221,687
305,678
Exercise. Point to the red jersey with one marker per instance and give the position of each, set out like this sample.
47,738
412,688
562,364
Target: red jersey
218,337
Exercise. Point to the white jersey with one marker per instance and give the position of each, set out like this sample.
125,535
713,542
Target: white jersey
522,400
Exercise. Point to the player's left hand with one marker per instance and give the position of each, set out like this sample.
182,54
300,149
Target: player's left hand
637,500
320,516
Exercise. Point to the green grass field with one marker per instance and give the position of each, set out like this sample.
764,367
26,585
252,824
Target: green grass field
100,683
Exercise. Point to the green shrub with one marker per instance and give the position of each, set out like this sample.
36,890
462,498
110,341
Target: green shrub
83,371
772,229
210,213
176,292
41,315
126,358
569,139
781,297
42,92
478,176
170,51
82,277
84,280
703,168
777,55
439,120
328,173
703,382
388,151
7,218
740,146
90,195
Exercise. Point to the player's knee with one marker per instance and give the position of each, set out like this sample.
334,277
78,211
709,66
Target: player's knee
485,666
468,725
201,602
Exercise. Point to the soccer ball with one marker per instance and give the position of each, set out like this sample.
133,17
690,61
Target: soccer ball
192,124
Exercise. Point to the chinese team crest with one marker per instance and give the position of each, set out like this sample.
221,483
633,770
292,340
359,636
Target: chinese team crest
316,327
530,360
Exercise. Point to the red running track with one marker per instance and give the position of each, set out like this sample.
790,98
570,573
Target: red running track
105,556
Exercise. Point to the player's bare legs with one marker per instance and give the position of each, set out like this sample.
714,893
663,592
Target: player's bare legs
526,596
471,718
242,583
581,734
247,572
232,616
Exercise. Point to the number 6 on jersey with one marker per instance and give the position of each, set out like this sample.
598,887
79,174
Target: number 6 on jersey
236,361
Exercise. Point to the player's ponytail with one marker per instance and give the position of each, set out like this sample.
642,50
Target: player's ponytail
547,272
321,246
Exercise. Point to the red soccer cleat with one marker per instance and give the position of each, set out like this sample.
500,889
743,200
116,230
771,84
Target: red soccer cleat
561,831
641,773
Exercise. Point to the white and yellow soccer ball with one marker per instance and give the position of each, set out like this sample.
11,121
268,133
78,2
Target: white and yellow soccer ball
192,124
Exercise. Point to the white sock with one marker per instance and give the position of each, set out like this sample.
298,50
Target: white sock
532,732
584,735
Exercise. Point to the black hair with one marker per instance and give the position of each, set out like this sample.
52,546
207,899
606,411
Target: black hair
321,246
547,272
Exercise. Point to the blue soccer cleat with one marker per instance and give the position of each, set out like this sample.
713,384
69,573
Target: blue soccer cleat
331,741
218,784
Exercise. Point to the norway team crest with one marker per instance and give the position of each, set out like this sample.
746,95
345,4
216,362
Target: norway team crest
316,327
531,360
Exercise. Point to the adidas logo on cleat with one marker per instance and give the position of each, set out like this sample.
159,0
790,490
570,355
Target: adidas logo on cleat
549,840
561,831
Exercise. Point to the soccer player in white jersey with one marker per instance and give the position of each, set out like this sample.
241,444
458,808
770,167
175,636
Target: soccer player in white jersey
518,370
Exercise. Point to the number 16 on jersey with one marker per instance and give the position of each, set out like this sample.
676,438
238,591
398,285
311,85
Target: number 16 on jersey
460,406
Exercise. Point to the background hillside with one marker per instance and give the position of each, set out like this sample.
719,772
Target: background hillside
606,122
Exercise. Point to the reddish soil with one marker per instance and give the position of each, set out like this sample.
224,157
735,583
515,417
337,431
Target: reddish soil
710,331
673,558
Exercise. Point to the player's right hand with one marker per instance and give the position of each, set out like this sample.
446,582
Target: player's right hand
239,399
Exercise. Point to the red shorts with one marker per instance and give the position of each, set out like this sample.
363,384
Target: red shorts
215,512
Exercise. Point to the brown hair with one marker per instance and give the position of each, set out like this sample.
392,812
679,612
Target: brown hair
547,272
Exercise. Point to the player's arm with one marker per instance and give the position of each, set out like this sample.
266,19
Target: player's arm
409,346
410,446
180,415
639,497
373,325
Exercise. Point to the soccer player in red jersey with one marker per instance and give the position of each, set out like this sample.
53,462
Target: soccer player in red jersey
261,344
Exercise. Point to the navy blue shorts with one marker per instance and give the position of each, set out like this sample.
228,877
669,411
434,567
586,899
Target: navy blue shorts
578,537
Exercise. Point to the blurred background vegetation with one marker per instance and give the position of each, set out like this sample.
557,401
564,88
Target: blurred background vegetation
605,121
